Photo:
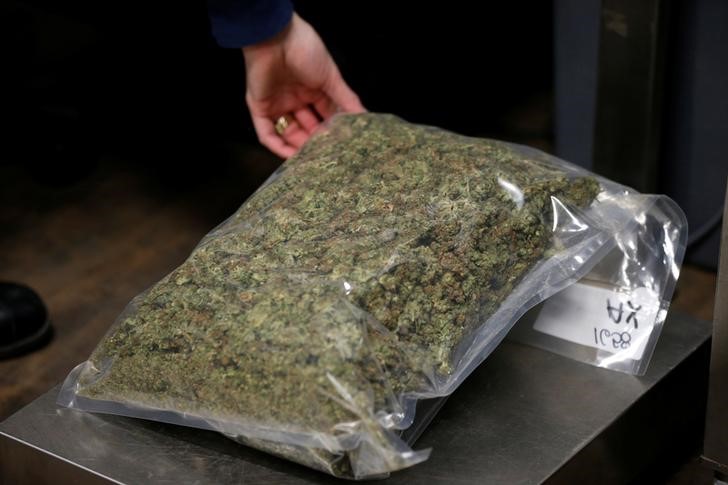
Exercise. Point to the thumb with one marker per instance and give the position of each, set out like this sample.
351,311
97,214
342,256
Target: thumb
342,95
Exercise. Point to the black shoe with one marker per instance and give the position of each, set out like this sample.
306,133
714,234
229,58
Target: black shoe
24,324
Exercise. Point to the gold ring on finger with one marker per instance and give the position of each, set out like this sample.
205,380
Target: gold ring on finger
282,123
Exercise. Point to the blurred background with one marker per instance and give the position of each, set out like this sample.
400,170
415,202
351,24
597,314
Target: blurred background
126,136
145,82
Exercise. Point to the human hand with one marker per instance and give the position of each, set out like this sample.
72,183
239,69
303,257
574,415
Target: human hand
293,75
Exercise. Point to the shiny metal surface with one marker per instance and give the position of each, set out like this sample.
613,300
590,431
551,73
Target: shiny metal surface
716,426
525,416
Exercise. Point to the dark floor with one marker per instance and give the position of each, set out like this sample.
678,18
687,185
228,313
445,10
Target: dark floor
90,246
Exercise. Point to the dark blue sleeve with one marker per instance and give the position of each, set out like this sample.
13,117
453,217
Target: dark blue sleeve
237,23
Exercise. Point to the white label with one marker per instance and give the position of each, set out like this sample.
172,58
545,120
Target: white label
618,322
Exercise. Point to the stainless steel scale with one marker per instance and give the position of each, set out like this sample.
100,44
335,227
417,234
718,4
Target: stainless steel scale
525,416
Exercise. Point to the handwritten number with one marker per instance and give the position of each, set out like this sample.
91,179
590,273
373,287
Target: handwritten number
618,340
626,339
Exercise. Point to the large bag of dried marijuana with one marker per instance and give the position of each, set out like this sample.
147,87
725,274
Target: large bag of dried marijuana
377,267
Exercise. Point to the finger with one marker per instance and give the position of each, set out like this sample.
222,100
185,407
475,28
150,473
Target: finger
341,94
307,119
295,135
269,138
325,107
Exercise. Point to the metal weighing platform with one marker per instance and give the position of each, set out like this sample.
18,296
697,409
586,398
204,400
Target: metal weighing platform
525,416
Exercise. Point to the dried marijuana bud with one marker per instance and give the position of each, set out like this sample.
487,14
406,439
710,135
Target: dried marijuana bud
339,287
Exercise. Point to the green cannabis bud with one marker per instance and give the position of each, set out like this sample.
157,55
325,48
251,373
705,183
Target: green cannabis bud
354,278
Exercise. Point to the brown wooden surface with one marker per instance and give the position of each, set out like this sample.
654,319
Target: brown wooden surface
695,293
90,248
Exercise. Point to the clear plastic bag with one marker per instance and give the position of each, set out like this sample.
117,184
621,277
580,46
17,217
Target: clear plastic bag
376,268
613,316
